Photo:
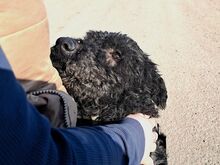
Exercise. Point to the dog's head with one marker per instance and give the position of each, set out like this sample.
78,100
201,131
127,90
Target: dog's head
108,75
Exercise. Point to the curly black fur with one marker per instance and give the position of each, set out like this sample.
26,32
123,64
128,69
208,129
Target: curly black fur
109,76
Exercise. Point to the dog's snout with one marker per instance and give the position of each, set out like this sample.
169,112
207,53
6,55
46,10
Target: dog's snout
66,44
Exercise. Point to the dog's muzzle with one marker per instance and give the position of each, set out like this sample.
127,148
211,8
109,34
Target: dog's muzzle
66,44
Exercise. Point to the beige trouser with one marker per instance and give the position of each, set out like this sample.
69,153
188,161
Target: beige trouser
24,38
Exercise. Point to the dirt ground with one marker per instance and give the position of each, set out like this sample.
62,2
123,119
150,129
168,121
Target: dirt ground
183,38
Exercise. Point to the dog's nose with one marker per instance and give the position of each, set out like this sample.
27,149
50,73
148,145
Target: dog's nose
66,44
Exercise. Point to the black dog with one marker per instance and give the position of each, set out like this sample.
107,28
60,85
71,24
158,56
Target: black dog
110,77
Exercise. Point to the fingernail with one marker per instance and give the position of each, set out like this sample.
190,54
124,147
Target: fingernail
155,136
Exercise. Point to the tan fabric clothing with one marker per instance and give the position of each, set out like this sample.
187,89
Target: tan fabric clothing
24,38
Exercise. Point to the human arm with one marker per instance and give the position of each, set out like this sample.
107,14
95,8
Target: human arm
26,137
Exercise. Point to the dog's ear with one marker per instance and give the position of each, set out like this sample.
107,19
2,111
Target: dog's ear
155,83
159,92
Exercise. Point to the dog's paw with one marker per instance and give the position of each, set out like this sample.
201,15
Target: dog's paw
159,156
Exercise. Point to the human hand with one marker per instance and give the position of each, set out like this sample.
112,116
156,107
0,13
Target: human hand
147,124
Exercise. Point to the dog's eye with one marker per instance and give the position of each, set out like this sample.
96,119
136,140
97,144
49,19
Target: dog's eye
79,41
